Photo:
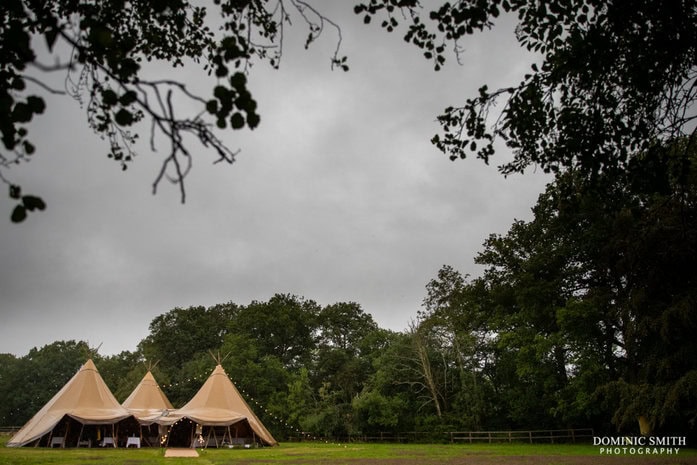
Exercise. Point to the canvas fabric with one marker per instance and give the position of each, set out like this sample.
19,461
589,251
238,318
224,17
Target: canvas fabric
85,397
147,402
219,403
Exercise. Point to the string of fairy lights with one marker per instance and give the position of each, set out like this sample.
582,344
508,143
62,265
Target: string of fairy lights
247,397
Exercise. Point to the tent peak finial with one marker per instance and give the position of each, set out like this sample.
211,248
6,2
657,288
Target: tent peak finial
217,358
149,365
92,352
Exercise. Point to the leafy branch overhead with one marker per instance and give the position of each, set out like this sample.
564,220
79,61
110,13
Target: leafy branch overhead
612,78
105,49
609,79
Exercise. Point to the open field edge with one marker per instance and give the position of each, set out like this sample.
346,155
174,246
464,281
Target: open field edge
313,453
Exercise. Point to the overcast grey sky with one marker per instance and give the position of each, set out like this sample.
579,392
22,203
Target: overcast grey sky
337,196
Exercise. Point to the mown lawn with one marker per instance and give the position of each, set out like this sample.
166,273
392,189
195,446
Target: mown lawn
347,454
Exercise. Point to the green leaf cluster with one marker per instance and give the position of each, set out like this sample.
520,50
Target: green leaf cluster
25,204
234,104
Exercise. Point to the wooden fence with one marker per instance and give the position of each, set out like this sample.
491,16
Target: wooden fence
9,429
549,436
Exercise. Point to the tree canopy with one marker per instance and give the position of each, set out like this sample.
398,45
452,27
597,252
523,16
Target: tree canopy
610,78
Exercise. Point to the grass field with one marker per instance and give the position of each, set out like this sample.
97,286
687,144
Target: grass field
347,454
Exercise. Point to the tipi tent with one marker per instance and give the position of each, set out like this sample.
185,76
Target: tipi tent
218,406
147,402
84,400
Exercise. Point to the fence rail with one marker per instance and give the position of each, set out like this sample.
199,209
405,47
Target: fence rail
558,435
9,429
551,436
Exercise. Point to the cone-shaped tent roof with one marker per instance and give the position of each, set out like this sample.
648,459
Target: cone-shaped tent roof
147,401
219,403
85,397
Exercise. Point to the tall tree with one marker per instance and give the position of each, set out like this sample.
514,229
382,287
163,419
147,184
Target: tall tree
348,339
458,321
343,355
178,335
596,294
388,401
343,326
283,327
527,284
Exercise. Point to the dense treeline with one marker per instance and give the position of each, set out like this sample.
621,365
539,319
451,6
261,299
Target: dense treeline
583,316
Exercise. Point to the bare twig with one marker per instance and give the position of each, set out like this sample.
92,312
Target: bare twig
43,85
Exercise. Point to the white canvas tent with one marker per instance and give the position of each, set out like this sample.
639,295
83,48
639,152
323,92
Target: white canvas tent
218,406
85,398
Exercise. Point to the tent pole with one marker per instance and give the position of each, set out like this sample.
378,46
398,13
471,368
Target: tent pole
67,430
79,438
215,437
210,430
229,435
